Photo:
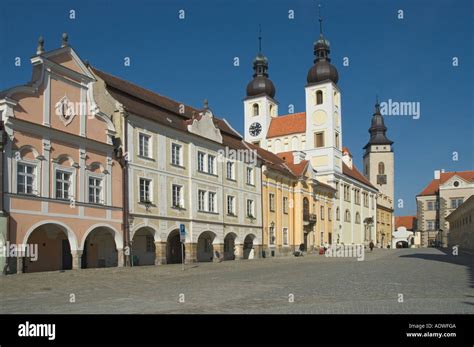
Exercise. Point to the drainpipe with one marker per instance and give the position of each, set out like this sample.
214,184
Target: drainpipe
3,140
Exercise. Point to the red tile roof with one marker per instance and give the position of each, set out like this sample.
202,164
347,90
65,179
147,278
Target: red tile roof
288,124
355,174
298,169
405,221
433,187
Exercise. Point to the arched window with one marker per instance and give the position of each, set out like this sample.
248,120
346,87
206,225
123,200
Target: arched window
255,109
305,209
338,214
357,218
319,97
347,217
381,168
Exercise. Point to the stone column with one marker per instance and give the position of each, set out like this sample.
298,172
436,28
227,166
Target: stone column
239,251
160,253
257,249
190,253
20,260
76,259
120,256
219,247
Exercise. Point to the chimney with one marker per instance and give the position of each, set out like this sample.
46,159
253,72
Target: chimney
298,157
437,174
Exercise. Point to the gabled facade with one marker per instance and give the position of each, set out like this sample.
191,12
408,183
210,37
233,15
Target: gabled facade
446,192
62,185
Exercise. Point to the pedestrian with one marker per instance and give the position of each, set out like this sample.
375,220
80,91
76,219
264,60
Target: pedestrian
218,255
371,246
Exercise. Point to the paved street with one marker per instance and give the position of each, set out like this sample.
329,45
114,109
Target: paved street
429,281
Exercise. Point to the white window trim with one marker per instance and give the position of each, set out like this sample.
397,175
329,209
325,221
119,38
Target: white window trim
37,178
214,207
102,177
72,184
150,145
233,212
150,194
204,200
181,196
287,244
180,153
252,176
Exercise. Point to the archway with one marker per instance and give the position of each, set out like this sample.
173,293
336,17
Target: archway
229,246
249,252
143,247
100,249
49,244
173,248
205,250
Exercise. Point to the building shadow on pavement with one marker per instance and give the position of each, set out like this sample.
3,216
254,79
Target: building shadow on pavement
445,255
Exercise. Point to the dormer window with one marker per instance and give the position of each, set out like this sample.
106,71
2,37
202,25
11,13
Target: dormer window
456,183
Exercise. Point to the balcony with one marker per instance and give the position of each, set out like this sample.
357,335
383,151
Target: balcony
309,218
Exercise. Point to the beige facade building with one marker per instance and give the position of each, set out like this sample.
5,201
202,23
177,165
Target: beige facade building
317,133
185,166
461,226
444,194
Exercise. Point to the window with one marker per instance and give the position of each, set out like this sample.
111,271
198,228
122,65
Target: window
150,244
250,208
255,109
177,196
230,170
319,97
337,190
211,202
431,224
338,215
456,202
319,139
145,191
143,145
271,235
322,212
176,154
357,196
347,217
366,199
271,198
329,214
357,218
347,193
201,200
285,205
456,183
201,156
63,183
381,168
230,205
211,161
95,190
25,179
250,176
285,236
430,205
336,140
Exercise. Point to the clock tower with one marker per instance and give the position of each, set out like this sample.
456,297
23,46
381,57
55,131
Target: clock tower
259,105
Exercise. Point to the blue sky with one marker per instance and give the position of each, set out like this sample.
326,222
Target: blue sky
192,59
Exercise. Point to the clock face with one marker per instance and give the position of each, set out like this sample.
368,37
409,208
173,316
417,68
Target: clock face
255,129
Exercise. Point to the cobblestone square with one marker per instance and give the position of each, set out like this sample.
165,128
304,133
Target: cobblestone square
387,281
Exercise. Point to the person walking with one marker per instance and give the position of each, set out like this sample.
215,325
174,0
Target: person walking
371,246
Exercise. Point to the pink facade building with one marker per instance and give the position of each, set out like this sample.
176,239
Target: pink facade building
62,185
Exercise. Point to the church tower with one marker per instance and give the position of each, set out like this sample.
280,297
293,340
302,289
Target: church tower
378,157
323,111
259,104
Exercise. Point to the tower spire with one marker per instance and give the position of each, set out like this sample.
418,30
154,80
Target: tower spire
320,22
259,38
